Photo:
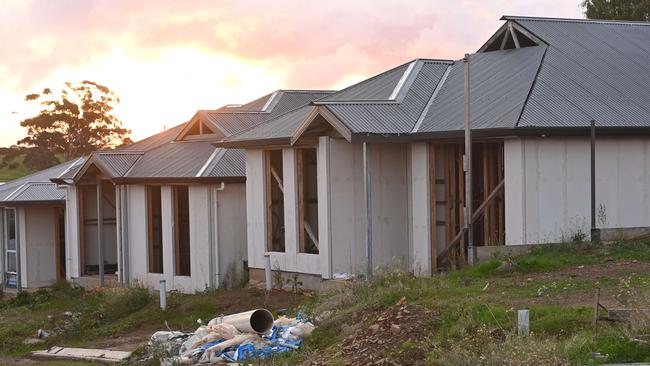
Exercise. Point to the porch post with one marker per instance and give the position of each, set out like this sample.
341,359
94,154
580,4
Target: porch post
100,234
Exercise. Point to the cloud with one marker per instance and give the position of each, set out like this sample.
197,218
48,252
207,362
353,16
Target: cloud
168,58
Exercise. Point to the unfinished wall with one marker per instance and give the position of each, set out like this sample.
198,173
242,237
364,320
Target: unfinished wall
72,233
38,246
389,187
548,187
255,208
420,209
341,211
229,220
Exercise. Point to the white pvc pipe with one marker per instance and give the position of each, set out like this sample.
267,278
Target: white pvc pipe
254,321
267,272
163,294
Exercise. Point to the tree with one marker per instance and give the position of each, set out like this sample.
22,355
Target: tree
73,122
617,9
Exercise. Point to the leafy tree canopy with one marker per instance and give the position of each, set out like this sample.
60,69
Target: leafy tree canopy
617,9
73,121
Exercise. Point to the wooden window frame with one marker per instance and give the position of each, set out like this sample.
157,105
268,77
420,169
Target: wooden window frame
300,169
268,184
151,265
177,231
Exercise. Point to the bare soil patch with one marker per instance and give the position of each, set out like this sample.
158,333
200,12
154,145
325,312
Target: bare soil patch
391,337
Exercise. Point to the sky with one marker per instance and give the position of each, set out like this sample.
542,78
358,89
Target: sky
166,59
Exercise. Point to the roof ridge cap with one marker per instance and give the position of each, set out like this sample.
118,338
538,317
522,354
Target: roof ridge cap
576,20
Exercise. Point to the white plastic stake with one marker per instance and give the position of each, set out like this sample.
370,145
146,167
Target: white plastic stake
267,272
523,323
163,294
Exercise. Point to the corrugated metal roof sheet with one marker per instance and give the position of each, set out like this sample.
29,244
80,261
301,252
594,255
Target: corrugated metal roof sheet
154,140
394,117
231,164
118,163
378,87
592,70
499,85
172,160
11,188
281,127
237,119
39,192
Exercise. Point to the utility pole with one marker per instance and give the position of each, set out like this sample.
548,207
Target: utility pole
471,255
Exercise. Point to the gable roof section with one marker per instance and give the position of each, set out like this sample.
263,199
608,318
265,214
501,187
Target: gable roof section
499,84
391,102
235,119
592,70
37,187
398,116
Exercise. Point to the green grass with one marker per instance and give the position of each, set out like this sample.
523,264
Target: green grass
14,169
469,306
472,302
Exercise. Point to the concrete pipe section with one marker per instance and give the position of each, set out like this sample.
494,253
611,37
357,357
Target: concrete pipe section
254,321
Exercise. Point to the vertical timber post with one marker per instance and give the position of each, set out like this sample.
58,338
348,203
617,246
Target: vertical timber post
368,190
100,234
595,233
471,254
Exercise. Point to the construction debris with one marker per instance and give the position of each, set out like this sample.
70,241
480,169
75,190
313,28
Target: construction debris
234,338
82,354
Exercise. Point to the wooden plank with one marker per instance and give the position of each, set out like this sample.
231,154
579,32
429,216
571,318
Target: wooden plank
475,216
177,241
433,231
461,196
501,209
486,188
513,35
150,229
449,219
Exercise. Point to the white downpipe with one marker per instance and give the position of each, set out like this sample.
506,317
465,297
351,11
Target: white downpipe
213,236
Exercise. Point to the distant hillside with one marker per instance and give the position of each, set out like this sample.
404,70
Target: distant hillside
13,169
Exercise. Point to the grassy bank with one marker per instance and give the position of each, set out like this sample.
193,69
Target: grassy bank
467,317
471,314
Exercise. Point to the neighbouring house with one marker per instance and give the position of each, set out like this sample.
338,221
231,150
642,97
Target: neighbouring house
32,230
170,207
373,175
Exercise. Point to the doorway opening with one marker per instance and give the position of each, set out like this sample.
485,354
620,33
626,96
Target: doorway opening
447,177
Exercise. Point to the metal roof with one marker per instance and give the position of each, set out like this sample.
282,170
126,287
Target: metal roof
36,187
379,87
233,120
398,116
579,70
118,163
172,160
499,85
592,70
231,164
282,127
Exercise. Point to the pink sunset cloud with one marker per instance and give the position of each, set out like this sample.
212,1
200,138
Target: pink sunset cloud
168,58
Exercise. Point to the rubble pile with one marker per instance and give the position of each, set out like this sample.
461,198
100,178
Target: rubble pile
392,337
223,341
